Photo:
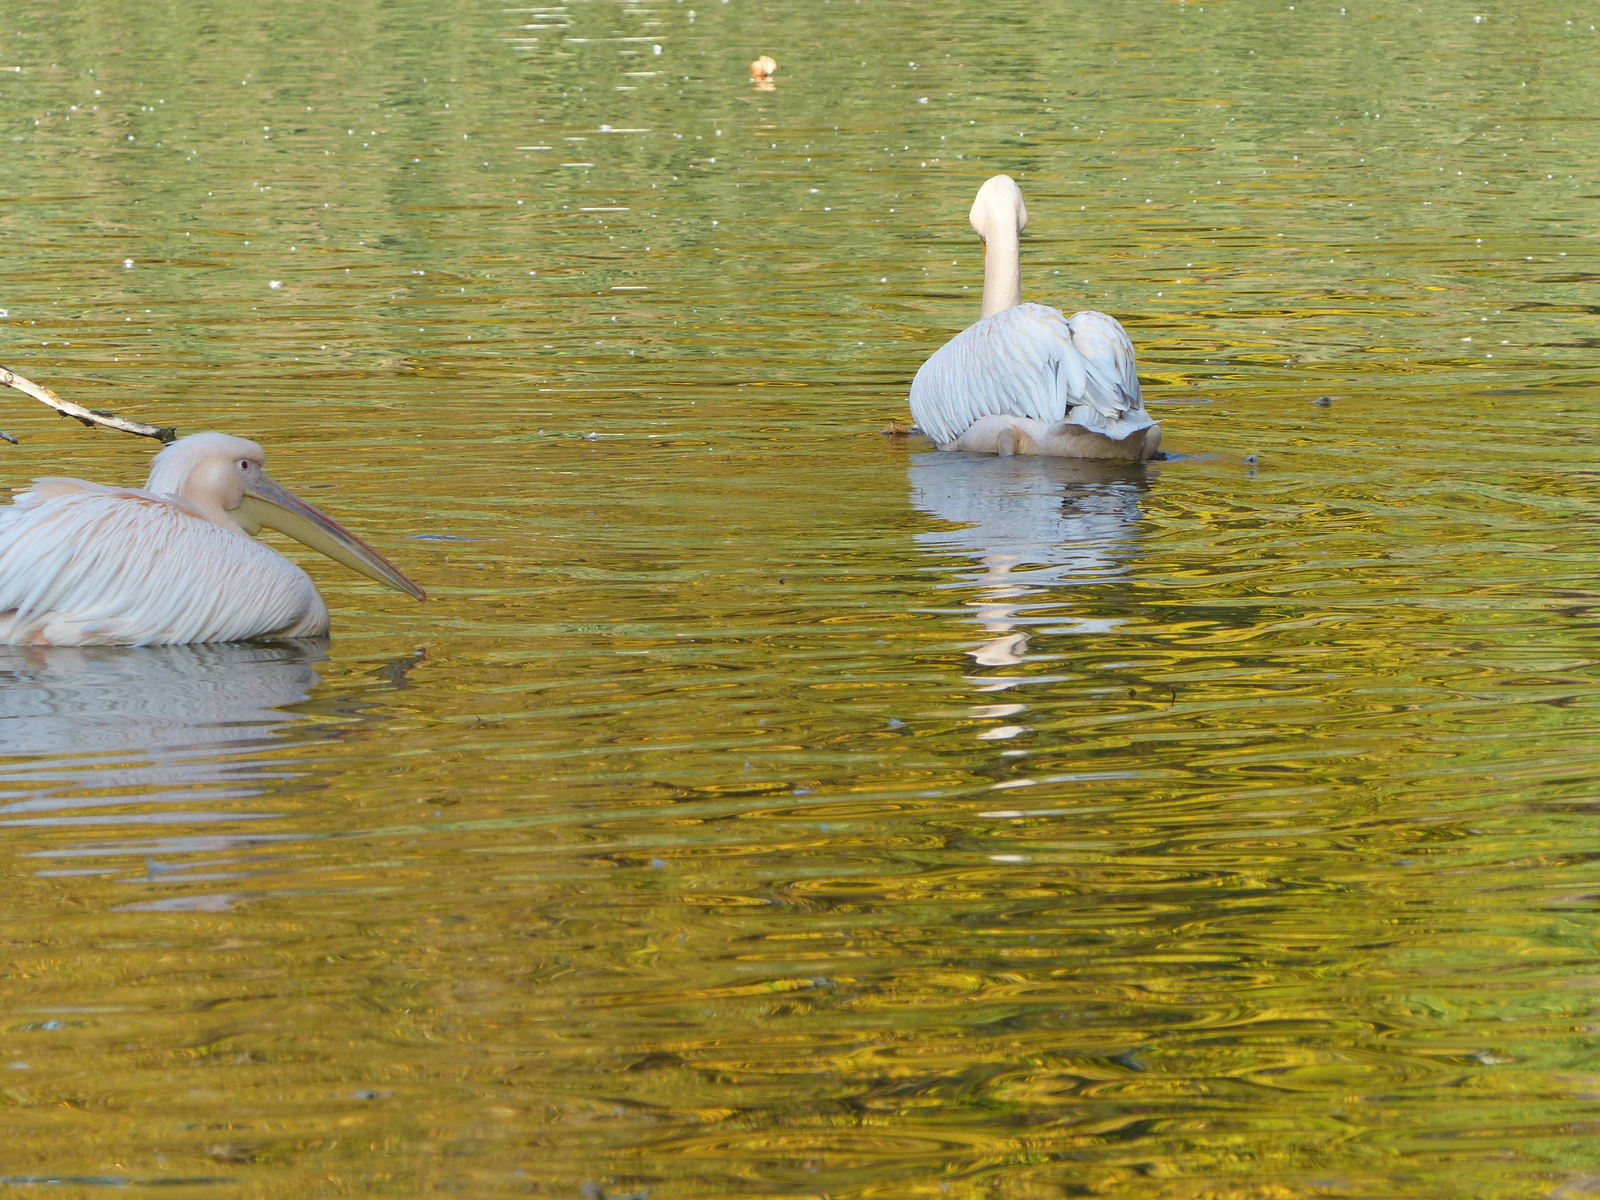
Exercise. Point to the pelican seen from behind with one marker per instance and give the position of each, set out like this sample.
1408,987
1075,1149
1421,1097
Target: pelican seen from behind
1025,379
174,562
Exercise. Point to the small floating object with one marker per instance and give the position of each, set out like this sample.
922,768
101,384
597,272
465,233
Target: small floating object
1131,1060
763,69
1324,401
593,1191
898,429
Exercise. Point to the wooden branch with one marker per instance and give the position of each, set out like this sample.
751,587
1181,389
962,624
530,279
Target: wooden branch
89,416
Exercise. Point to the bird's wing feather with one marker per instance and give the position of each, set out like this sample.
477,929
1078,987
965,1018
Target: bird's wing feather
81,563
1019,362
1030,361
1113,383
50,486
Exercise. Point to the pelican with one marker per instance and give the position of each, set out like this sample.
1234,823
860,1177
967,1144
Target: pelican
1025,379
82,564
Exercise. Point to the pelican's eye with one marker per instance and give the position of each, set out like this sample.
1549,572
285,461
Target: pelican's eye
244,464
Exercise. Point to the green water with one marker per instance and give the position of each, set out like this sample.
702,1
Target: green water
760,805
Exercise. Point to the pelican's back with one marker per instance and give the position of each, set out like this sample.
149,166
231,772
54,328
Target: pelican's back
82,564
1030,361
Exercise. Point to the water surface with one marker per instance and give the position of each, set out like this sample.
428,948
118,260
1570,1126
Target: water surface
762,805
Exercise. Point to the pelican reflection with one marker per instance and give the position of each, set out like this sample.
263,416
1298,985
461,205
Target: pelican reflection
87,733
1032,525
157,703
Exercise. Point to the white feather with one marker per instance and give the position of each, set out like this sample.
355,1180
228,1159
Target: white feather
1031,361
82,564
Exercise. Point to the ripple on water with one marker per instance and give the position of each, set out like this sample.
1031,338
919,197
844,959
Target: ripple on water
760,803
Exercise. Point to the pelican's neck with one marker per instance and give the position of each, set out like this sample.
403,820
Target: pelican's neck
203,504
1002,271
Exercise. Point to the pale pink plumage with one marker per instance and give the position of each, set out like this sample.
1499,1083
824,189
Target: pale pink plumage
82,564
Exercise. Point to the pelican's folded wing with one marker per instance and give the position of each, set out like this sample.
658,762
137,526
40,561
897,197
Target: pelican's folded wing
1030,361
48,487
1113,384
1020,362
81,564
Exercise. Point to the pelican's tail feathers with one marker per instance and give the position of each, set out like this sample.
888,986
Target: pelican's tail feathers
1115,428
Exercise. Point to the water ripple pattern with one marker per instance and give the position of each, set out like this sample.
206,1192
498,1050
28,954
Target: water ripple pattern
762,805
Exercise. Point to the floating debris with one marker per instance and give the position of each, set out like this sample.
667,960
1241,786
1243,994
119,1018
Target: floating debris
1324,401
593,1191
762,71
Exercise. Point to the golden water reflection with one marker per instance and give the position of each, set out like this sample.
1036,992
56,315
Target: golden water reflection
761,805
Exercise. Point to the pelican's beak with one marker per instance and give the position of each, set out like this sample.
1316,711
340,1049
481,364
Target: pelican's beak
265,503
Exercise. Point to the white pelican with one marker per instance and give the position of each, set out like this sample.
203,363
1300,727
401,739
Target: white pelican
82,564
1025,379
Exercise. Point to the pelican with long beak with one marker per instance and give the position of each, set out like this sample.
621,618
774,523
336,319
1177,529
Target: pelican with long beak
1026,379
175,562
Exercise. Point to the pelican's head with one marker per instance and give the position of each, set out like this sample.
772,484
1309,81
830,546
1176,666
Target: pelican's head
999,210
224,479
